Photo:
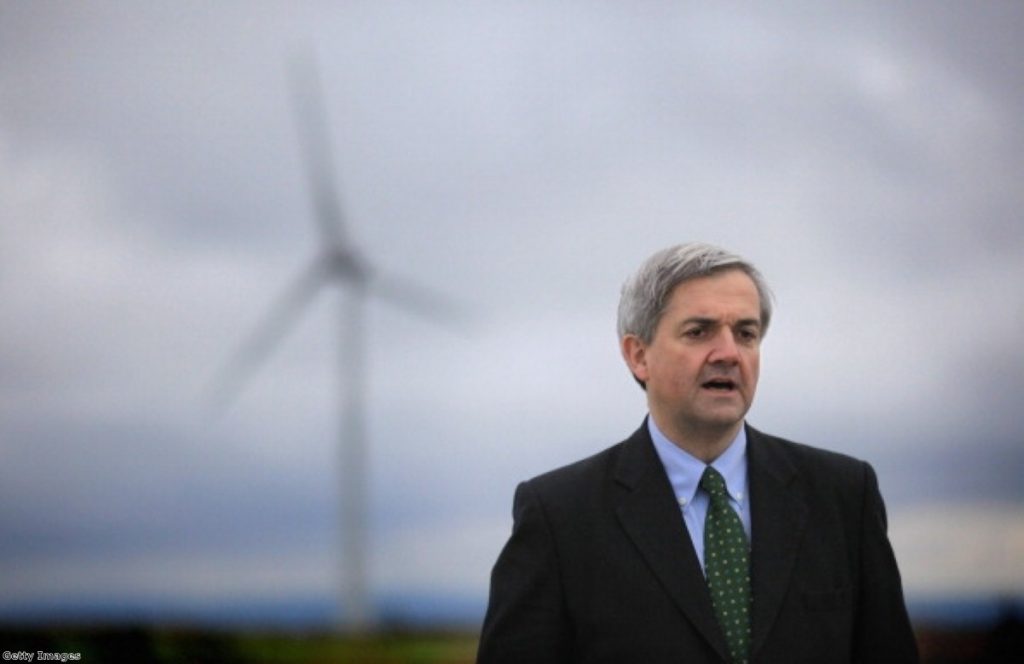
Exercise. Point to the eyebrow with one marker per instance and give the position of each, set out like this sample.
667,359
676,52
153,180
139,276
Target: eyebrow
704,321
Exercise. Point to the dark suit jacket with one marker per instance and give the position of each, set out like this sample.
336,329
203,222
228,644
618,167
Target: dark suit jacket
599,567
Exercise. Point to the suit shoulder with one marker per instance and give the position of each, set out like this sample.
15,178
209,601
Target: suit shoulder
576,477
816,461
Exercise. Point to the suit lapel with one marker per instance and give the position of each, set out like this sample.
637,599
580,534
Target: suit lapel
778,516
650,515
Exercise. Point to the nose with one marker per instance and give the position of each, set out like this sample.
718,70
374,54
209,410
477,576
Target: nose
724,349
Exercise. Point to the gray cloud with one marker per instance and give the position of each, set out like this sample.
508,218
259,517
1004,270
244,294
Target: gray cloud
521,160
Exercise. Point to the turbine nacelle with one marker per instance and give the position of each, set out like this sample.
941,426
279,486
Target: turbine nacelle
346,265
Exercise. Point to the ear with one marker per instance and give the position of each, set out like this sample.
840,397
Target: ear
634,352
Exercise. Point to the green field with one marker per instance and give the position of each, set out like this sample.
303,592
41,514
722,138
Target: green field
171,645
1004,643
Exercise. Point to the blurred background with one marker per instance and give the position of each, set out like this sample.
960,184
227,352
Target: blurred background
519,159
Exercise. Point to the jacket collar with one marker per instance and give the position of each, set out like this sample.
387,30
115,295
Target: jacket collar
778,514
649,514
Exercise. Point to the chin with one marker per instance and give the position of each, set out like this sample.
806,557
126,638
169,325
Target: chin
724,420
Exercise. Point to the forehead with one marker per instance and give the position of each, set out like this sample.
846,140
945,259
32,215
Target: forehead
731,293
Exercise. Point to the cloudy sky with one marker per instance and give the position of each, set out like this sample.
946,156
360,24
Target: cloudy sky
519,159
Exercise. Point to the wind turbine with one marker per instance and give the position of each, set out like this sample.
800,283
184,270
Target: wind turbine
338,263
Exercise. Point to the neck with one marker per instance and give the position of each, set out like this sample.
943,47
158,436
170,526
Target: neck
704,442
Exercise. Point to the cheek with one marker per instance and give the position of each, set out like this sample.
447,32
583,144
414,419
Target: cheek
754,365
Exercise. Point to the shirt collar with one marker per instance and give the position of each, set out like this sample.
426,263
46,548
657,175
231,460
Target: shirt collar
685,470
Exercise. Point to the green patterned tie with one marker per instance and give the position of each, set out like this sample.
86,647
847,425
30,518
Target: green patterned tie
727,566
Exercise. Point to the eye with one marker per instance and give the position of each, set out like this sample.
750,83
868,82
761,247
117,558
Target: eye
749,334
694,332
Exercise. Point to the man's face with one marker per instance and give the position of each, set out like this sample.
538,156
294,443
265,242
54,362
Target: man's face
702,365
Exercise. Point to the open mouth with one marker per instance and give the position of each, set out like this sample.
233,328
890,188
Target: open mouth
719,385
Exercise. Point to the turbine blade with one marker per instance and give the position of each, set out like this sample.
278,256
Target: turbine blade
257,347
409,295
315,144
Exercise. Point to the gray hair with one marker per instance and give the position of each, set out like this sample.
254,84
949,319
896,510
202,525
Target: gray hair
645,294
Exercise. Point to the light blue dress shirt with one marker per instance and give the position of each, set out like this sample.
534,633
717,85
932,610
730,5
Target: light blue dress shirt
684,472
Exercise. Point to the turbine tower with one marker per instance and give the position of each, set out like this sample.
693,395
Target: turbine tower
338,263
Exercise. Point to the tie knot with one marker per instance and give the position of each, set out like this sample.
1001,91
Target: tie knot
713,482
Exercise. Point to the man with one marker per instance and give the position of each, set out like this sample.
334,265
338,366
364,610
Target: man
699,538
